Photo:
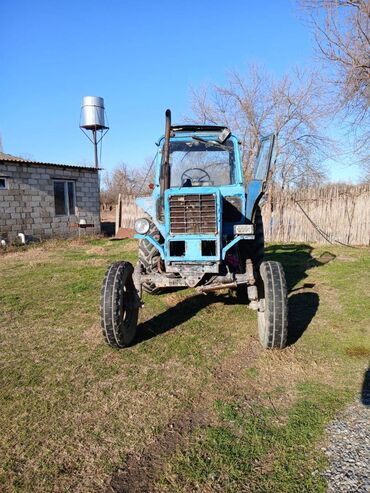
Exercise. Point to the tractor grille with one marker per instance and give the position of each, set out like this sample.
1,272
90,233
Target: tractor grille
193,213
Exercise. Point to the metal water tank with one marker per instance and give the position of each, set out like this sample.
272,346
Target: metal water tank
92,113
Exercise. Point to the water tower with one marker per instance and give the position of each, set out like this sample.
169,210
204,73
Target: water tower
93,118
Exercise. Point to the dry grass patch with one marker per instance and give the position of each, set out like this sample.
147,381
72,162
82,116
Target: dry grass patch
358,352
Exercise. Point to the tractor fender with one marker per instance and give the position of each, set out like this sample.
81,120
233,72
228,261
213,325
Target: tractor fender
234,241
254,195
155,243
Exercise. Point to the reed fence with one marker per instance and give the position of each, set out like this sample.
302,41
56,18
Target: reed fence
329,214
334,213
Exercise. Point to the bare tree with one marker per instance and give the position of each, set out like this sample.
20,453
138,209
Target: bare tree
126,181
341,30
366,174
254,105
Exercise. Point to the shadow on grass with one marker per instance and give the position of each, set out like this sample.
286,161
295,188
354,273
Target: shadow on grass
365,392
180,313
296,259
302,309
303,305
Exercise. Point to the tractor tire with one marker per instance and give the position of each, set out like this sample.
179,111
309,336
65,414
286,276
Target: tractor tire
119,305
258,247
149,258
273,306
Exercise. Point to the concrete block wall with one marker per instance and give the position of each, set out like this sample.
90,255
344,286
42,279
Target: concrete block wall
27,205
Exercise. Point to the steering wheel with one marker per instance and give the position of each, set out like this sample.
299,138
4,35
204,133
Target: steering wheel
186,176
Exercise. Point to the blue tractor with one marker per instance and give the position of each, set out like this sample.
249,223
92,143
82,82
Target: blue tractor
203,229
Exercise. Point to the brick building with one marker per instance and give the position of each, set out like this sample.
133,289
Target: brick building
44,200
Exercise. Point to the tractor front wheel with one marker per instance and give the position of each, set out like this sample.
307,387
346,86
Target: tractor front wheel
119,305
273,306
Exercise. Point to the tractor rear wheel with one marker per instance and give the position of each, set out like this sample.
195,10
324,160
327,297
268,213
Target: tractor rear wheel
273,306
149,258
119,305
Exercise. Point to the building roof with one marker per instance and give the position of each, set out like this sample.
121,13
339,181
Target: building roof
8,158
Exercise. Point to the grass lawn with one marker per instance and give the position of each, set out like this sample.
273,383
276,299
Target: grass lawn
195,404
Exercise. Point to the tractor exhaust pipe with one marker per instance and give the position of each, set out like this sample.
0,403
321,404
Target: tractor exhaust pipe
165,169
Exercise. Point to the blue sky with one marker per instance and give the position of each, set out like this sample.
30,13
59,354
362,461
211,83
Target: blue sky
141,56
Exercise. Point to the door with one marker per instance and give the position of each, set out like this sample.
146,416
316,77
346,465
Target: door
261,170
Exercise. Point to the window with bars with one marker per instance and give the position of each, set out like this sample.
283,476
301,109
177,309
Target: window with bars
64,198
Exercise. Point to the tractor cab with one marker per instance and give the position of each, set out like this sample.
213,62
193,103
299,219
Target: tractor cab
199,203
199,157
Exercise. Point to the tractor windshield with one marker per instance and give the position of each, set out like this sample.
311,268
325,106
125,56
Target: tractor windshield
197,163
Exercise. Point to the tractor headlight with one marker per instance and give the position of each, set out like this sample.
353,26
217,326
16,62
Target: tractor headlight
142,226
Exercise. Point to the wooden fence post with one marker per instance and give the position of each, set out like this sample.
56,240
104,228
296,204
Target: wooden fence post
118,213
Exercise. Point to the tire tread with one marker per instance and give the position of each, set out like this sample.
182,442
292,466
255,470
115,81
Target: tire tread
276,305
116,332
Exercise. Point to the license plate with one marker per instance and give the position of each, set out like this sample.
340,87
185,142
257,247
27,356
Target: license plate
243,229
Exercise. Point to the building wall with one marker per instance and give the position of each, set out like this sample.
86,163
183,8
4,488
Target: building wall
27,206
